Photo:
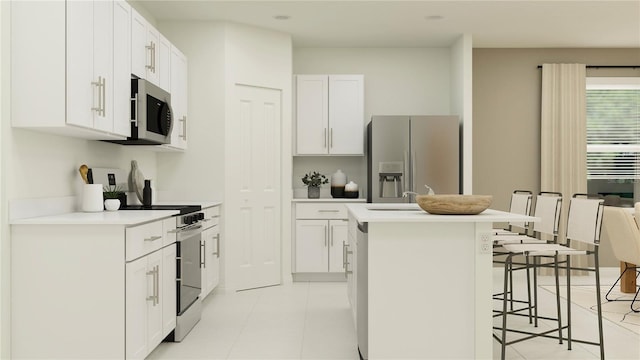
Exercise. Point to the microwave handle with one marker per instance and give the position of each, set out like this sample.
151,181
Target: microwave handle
135,102
172,118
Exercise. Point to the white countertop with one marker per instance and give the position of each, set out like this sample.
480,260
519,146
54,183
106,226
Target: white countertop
121,217
203,204
413,213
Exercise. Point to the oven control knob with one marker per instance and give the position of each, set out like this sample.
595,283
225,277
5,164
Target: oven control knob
188,220
200,216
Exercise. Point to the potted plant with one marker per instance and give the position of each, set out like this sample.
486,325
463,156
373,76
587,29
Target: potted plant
114,197
313,181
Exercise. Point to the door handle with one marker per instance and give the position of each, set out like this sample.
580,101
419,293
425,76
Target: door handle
134,99
203,254
153,238
98,85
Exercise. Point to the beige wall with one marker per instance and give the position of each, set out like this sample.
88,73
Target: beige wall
506,112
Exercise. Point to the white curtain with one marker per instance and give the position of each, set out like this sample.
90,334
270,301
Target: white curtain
563,136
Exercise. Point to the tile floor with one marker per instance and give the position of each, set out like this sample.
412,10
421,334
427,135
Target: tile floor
313,321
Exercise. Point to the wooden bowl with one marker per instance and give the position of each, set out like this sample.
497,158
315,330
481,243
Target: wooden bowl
454,204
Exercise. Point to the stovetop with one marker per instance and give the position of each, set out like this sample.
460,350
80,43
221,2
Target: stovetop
184,209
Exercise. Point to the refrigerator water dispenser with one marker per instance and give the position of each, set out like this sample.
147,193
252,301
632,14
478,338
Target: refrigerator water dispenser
390,176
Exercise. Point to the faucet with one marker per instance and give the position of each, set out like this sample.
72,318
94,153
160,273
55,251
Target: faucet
406,193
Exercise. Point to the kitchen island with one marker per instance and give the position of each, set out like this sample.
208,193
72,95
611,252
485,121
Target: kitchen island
420,284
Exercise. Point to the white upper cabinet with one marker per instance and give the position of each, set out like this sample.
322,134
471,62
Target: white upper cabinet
329,115
179,99
65,69
150,53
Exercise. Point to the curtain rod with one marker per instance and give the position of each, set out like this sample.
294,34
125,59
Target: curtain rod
608,66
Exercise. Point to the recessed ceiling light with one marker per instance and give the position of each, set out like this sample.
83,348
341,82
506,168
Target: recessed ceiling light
434,17
282,17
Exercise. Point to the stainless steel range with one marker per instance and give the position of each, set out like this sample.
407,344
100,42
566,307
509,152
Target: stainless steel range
188,273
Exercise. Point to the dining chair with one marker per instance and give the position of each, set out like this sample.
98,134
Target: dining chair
622,232
584,224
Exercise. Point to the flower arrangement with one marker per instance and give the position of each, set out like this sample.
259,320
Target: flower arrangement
314,179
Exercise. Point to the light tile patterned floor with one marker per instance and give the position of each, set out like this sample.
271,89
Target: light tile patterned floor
313,321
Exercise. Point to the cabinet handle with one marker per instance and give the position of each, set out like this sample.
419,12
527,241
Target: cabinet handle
331,138
153,238
150,48
203,254
104,96
344,255
157,284
184,127
325,236
217,252
328,210
324,137
98,85
153,56
134,99
331,236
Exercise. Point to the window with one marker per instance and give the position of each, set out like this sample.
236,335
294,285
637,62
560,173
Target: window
613,129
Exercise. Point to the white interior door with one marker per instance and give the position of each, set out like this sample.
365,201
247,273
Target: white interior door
256,182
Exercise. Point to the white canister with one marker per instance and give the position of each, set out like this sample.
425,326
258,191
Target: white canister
338,181
92,198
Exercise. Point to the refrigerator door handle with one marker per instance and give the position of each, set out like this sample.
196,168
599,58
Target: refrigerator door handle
405,181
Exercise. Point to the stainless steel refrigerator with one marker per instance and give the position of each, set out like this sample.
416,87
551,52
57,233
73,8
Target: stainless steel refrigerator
407,152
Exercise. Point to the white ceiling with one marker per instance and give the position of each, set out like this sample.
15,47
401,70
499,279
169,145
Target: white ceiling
492,24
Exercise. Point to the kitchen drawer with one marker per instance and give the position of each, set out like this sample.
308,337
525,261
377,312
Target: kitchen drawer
211,216
321,211
169,231
143,239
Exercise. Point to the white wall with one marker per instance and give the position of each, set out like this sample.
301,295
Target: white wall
397,81
221,55
5,279
262,58
462,104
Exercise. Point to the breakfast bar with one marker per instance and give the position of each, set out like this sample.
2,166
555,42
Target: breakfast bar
421,285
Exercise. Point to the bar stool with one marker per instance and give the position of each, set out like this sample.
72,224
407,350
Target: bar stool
583,225
548,207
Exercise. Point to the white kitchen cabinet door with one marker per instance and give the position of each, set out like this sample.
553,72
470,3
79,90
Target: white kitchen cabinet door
89,42
169,288
179,98
210,260
121,68
338,231
329,115
154,308
346,114
164,63
152,52
312,242
136,308
312,103
139,52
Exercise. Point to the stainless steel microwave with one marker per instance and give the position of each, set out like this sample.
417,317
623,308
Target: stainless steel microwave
151,115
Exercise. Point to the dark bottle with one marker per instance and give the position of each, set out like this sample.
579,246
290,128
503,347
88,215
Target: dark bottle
146,194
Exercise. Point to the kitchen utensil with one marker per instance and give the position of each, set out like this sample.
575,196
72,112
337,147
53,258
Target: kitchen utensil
137,180
84,169
454,204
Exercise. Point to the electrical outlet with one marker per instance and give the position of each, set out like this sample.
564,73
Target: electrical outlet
485,243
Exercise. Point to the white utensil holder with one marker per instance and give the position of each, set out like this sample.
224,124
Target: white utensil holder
92,198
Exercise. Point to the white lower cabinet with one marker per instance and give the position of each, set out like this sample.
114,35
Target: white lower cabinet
320,231
150,301
110,290
210,251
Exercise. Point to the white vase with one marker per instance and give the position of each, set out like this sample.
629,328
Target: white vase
112,204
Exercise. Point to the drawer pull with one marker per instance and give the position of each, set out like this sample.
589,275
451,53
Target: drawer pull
153,238
329,210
